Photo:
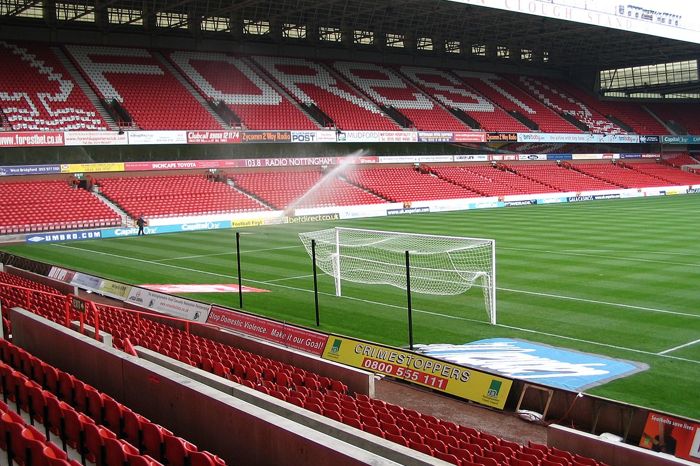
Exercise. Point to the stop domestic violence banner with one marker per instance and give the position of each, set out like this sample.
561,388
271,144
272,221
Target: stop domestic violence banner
270,330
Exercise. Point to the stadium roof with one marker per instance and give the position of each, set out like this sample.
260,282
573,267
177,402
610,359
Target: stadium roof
568,45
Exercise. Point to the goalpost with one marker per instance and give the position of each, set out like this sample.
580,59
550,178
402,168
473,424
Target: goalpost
439,265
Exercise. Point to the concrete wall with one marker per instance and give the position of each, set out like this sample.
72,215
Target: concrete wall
238,431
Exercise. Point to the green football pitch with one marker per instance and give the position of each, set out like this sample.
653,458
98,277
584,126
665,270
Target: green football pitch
619,278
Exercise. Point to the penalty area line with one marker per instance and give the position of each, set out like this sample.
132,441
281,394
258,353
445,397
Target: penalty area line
232,253
685,345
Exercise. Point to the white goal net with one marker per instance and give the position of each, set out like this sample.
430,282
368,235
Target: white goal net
438,265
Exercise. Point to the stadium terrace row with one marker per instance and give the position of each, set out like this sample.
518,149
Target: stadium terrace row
97,425
58,205
78,421
85,87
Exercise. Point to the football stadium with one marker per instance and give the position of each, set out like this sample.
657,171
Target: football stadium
293,232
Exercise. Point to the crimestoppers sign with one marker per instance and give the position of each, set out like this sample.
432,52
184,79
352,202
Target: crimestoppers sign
470,384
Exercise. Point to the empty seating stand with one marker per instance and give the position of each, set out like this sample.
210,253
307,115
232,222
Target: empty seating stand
561,177
135,78
311,83
302,189
39,94
491,181
51,205
512,98
630,113
405,184
453,93
386,88
98,422
548,91
173,196
231,79
620,175
665,173
683,116
70,417
679,159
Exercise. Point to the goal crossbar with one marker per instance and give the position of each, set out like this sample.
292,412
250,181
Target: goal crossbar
439,265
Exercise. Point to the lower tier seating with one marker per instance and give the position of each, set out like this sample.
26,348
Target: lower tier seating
619,174
51,205
446,440
561,177
65,411
491,181
302,189
171,196
405,184
665,173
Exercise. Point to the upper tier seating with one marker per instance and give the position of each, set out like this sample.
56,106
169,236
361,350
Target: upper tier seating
37,93
561,178
50,205
312,83
514,99
681,113
630,113
154,98
385,87
621,176
222,77
453,93
491,181
405,184
667,175
170,196
281,189
548,91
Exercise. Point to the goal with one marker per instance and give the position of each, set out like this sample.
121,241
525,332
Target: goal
438,265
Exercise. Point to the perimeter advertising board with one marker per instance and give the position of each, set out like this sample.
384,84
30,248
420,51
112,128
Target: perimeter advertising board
480,387
95,138
469,137
18,170
31,139
313,136
672,435
377,136
167,304
269,330
213,137
92,167
156,137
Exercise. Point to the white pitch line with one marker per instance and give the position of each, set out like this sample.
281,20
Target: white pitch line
678,347
537,332
298,277
622,251
534,293
632,259
605,303
221,254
